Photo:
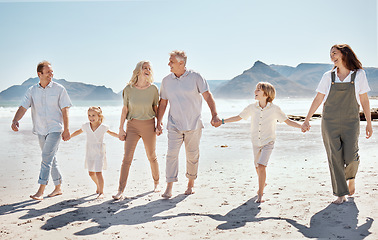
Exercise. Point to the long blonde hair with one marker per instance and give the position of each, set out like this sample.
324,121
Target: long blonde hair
98,111
137,70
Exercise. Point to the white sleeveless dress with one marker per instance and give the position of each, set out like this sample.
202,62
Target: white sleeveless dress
95,157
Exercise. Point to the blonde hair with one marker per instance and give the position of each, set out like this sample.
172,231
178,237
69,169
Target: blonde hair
136,72
268,90
179,55
98,111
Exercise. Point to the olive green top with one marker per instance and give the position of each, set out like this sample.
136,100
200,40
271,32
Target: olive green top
140,102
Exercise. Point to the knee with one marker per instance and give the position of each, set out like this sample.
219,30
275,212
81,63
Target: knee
172,157
261,167
127,159
47,155
92,174
152,158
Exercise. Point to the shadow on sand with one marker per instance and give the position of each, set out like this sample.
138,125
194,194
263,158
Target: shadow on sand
71,203
17,207
239,216
112,213
336,222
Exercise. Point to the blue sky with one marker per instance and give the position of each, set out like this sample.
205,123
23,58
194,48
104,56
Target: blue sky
100,42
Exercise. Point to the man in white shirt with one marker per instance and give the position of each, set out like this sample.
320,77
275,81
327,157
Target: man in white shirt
49,104
183,89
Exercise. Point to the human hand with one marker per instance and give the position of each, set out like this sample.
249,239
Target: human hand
159,129
305,126
216,121
15,125
122,134
369,130
66,135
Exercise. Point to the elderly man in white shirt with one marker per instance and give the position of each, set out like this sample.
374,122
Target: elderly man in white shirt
49,104
183,89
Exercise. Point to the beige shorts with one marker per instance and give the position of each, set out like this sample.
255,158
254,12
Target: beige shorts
262,153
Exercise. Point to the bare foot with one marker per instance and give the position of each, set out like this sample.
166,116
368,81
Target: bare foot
339,200
118,196
351,186
56,192
167,194
156,187
100,196
37,197
259,199
168,191
189,190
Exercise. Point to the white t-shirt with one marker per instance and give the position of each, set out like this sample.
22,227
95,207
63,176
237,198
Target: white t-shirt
263,122
360,83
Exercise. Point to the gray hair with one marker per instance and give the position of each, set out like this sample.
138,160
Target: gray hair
179,55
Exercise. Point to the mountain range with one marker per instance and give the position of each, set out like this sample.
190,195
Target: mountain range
299,81
76,90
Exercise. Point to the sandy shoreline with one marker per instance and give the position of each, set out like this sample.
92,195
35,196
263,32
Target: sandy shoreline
297,204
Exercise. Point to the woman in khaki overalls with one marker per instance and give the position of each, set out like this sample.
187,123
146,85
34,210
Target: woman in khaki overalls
343,90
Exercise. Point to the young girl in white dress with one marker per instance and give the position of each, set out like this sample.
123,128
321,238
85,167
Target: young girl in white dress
95,159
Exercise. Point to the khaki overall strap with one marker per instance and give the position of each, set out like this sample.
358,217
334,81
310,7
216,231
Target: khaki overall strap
333,76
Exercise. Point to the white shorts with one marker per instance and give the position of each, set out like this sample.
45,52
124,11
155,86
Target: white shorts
262,153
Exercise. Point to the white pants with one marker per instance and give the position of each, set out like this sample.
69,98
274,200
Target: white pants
175,139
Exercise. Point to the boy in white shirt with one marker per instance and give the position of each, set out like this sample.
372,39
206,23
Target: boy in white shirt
264,116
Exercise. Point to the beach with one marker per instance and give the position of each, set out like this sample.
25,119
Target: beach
298,195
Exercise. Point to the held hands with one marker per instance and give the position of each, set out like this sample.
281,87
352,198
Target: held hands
122,134
216,121
159,129
66,135
305,126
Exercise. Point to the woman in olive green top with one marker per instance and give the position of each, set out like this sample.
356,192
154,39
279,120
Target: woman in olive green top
140,102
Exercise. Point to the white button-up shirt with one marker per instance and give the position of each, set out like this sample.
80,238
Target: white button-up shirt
185,99
46,107
263,122
361,85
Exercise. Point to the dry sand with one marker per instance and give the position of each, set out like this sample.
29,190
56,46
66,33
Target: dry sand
298,195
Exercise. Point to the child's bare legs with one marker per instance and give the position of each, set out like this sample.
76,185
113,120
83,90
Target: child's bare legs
98,179
261,172
189,190
94,178
351,186
100,185
168,190
39,194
